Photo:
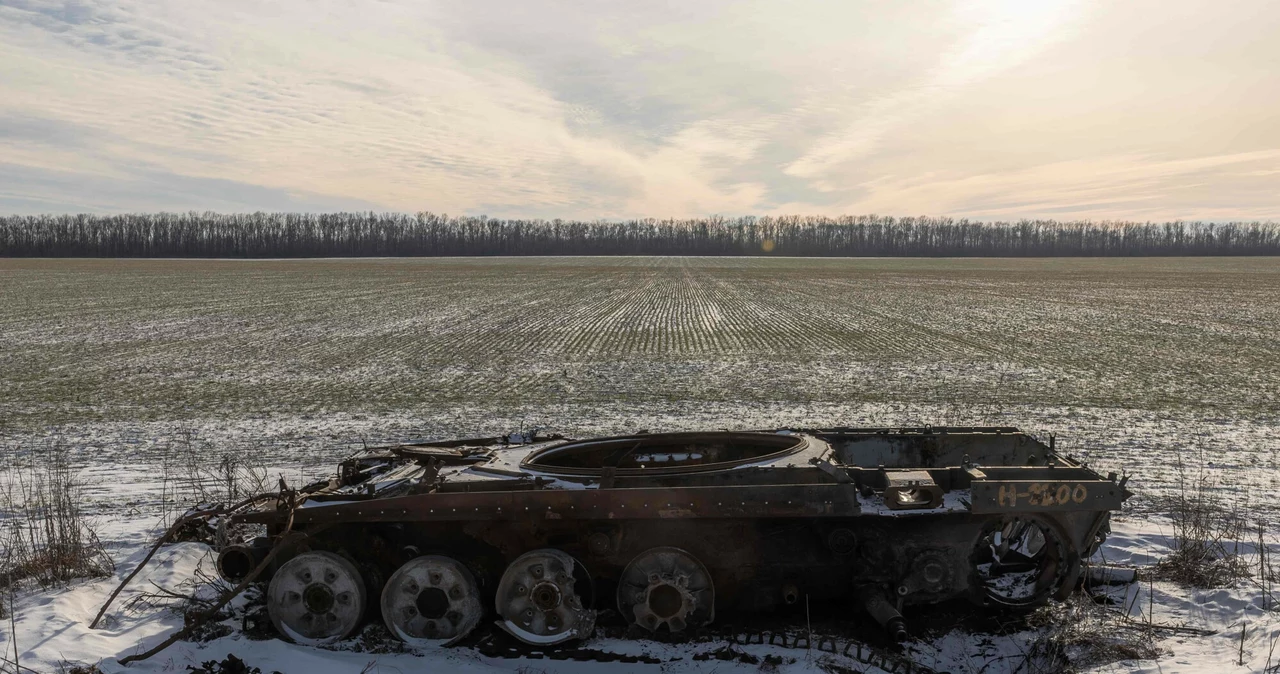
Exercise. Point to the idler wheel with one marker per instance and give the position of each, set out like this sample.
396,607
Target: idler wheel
316,598
431,601
1020,561
538,602
666,587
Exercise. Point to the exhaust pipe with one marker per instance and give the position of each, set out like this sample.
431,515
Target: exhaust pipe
236,561
873,600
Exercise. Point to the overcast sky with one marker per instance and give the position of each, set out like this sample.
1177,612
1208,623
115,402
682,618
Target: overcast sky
1100,109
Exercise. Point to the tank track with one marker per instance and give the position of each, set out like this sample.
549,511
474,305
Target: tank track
494,645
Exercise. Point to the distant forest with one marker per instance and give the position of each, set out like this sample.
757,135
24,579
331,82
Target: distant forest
427,234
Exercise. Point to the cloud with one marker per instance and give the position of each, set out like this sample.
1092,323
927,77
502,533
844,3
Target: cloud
1002,34
124,32
620,109
1114,187
30,190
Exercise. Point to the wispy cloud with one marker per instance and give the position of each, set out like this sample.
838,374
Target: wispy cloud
992,108
1115,187
999,34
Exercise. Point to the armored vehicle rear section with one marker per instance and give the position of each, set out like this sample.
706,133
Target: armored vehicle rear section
672,529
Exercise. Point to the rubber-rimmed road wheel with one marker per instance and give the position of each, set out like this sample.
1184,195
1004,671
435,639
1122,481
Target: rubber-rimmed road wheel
431,601
539,602
316,598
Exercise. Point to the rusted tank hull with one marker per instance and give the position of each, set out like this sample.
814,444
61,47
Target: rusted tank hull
671,529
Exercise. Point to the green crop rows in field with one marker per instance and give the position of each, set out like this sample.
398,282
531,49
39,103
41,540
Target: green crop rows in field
116,340
1136,363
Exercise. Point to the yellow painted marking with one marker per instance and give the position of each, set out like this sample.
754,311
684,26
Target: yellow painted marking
1046,494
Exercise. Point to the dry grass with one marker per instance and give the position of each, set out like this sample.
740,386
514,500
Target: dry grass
195,471
47,536
1081,634
1207,531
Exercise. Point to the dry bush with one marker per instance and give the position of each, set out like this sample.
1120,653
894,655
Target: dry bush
1206,532
195,600
190,597
228,665
1083,634
194,472
45,532
230,478
72,667
196,475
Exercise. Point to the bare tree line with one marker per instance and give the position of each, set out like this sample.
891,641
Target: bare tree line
426,234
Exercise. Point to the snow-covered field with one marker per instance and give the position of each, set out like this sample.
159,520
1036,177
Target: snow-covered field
137,366
52,629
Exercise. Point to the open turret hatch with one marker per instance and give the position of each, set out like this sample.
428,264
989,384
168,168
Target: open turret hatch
663,453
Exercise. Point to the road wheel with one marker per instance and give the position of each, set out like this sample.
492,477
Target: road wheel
538,601
666,587
431,601
316,598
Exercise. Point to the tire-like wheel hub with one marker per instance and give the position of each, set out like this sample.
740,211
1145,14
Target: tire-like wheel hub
545,596
431,601
667,601
538,600
316,598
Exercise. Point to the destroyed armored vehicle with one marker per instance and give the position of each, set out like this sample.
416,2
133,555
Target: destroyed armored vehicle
670,530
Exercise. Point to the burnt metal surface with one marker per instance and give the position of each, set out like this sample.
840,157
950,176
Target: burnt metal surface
670,529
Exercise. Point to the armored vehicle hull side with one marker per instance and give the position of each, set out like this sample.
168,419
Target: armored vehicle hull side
671,529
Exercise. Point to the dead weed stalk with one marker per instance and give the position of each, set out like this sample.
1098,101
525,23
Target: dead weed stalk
1207,531
46,534
1081,634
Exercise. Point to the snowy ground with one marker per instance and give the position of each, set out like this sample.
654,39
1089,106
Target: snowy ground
150,372
52,630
